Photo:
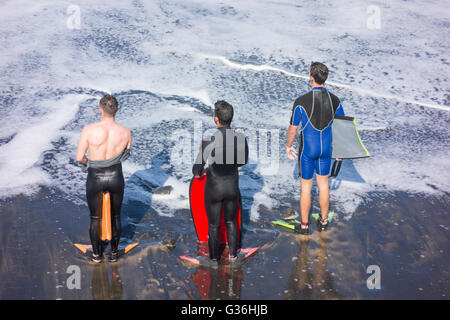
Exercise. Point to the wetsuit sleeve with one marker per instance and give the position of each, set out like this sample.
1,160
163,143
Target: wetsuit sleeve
340,110
200,160
296,116
246,154
125,154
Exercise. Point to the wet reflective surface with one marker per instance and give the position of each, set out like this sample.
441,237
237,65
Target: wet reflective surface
407,237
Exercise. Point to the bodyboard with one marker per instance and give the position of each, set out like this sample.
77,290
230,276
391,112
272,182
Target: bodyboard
198,212
106,233
347,143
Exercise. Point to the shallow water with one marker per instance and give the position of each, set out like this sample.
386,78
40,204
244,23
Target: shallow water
409,246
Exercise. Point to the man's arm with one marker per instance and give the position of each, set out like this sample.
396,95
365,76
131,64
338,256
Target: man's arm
130,138
127,152
296,119
197,169
246,152
82,147
290,150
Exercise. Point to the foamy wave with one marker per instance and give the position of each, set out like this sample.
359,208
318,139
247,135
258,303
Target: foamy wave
259,68
20,157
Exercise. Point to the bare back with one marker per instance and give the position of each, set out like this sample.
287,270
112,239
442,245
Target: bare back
103,140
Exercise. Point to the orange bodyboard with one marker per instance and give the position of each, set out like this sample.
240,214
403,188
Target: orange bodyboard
106,233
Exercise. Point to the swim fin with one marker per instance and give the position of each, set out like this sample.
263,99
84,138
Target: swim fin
241,256
295,225
292,225
316,216
86,249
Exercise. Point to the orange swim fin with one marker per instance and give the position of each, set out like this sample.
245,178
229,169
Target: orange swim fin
130,247
83,247
106,233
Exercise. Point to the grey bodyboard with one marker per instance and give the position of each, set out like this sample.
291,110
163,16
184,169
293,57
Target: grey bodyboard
347,143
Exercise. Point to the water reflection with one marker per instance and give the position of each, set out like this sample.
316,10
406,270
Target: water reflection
102,287
223,283
310,278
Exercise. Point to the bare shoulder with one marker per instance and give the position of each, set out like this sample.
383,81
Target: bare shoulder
94,127
94,133
88,128
125,130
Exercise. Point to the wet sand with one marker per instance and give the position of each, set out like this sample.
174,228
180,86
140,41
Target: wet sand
406,235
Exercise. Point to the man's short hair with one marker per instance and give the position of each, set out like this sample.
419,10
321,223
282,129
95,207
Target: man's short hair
224,112
319,72
109,105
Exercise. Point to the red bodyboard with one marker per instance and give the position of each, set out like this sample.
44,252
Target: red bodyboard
198,211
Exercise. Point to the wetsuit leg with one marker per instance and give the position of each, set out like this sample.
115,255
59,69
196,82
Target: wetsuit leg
305,163
116,186
213,206
323,165
101,180
230,206
221,192
307,166
94,196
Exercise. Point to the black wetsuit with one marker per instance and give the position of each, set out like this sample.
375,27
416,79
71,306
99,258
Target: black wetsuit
225,153
99,180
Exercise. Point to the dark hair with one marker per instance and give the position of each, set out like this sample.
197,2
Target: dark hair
224,111
319,72
109,104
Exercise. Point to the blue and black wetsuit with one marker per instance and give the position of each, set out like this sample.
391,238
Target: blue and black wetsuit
225,152
315,112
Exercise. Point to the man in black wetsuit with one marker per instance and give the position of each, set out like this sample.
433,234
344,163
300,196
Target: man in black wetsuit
225,152
108,145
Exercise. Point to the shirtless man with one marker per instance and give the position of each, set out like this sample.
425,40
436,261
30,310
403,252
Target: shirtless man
108,144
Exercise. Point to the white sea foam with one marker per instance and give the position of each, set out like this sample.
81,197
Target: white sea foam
20,157
359,90
177,199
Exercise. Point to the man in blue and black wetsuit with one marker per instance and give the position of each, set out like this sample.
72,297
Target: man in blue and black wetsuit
315,112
